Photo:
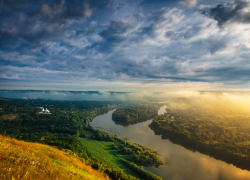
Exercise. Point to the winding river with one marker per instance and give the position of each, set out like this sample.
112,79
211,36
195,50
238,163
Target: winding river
179,162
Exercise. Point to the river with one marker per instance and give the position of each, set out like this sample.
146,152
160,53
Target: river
179,162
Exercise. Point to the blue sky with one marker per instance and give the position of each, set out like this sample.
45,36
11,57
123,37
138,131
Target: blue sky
125,45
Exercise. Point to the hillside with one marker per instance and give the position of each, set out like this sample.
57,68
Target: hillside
24,160
68,129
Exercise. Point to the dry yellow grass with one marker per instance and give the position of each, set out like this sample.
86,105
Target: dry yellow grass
21,160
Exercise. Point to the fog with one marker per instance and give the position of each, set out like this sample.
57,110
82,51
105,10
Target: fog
177,99
219,101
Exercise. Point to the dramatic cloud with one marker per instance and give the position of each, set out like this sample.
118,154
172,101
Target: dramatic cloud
226,13
113,44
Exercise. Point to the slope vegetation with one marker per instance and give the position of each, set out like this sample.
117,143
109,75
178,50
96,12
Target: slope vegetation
23,160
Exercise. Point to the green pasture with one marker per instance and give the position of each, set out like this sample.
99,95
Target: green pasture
103,151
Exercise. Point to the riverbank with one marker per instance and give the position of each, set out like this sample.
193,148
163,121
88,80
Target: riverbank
179,162
109,154
134,114
185,140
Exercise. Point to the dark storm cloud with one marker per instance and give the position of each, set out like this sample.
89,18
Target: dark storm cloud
235,12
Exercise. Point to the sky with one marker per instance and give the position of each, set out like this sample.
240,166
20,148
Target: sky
125,45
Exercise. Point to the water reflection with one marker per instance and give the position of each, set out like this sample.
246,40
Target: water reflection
126,124
179,162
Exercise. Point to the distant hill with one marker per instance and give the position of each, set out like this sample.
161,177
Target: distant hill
23,160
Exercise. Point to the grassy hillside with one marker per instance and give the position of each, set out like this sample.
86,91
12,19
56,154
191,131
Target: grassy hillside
23,160
67,128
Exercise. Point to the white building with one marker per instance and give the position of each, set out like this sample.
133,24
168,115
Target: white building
46,111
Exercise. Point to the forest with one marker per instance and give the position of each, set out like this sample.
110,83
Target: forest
67,127
134,113
220,132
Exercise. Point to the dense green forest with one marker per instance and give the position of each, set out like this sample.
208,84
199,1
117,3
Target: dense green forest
134,113
67,127
222,133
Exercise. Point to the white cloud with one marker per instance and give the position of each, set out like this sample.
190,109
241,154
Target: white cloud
4,76
202,6
146,46
189,3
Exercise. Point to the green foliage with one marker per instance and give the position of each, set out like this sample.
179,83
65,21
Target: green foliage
68,128
132,114
221,134
68,117
145,174
104,158
141,155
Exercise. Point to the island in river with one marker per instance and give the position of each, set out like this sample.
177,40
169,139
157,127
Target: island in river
221,133
134,113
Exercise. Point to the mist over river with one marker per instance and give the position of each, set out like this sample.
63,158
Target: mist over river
179,162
